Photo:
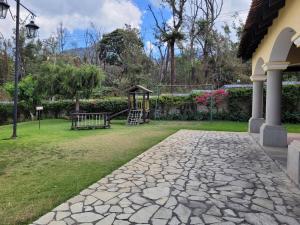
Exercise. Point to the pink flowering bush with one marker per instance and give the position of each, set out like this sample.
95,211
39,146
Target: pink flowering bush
203,99
216,96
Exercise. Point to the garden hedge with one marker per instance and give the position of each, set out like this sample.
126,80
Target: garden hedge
237,107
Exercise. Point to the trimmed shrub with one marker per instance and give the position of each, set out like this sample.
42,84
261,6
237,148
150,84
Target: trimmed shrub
237,107
239,103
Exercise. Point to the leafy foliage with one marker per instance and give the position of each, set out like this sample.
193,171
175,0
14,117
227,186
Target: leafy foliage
117,46
239,104
28,92
69,81
124,60
236,106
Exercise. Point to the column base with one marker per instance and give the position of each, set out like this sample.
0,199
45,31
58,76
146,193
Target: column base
255,124
273,136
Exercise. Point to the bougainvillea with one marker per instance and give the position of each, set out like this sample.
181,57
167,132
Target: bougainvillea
217,97
204,98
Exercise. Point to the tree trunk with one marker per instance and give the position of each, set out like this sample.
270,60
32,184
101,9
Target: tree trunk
32,116
161,71
205,60
167,61
77,104
192,56
172,57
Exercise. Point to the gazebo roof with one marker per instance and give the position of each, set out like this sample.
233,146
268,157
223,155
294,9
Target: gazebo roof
139,87
260,18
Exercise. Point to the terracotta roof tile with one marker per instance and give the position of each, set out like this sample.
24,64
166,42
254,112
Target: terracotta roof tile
260,18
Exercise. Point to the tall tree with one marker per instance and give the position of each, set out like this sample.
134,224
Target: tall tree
211,10
162,61
170,32
92,37
5,60
124,60
192,17
61,33
51,48
31,54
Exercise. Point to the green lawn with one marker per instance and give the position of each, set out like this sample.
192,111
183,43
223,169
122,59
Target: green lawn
43,168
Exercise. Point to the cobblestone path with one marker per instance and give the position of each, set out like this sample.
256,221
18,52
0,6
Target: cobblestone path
192,177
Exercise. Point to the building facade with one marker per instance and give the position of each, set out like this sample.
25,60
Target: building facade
271,40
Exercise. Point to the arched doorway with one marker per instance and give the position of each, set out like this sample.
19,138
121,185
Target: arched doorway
272,133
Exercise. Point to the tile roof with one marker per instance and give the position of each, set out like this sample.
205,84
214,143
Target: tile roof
260,18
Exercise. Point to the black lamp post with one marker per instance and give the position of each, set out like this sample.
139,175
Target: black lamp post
3,9
31,29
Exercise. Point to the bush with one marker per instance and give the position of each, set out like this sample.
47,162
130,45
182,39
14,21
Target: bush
4,96
240,104
291,103
59,109
6,112
237,107
62,109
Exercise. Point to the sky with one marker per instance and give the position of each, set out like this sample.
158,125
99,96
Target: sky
107,15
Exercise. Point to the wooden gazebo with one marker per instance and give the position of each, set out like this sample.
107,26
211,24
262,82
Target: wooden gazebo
138,105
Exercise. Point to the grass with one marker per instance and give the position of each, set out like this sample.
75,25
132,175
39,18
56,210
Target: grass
43,168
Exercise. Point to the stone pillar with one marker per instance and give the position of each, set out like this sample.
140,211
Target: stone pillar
272,133
293,162
257,119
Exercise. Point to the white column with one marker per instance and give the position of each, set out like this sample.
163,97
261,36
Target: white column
257,109
257,119
273,102
272,133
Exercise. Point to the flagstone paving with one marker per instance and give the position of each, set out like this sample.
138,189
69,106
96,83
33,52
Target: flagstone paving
192,177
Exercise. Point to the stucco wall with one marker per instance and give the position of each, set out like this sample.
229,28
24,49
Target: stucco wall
289,17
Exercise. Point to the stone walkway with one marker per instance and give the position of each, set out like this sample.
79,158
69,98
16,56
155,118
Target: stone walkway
192,177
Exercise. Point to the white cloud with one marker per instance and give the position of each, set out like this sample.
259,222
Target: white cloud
232,6
77,14
149,48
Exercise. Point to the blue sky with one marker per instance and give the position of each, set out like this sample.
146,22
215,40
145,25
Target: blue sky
148,22
230,7
107,15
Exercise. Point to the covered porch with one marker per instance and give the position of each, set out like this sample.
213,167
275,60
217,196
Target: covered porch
271,39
